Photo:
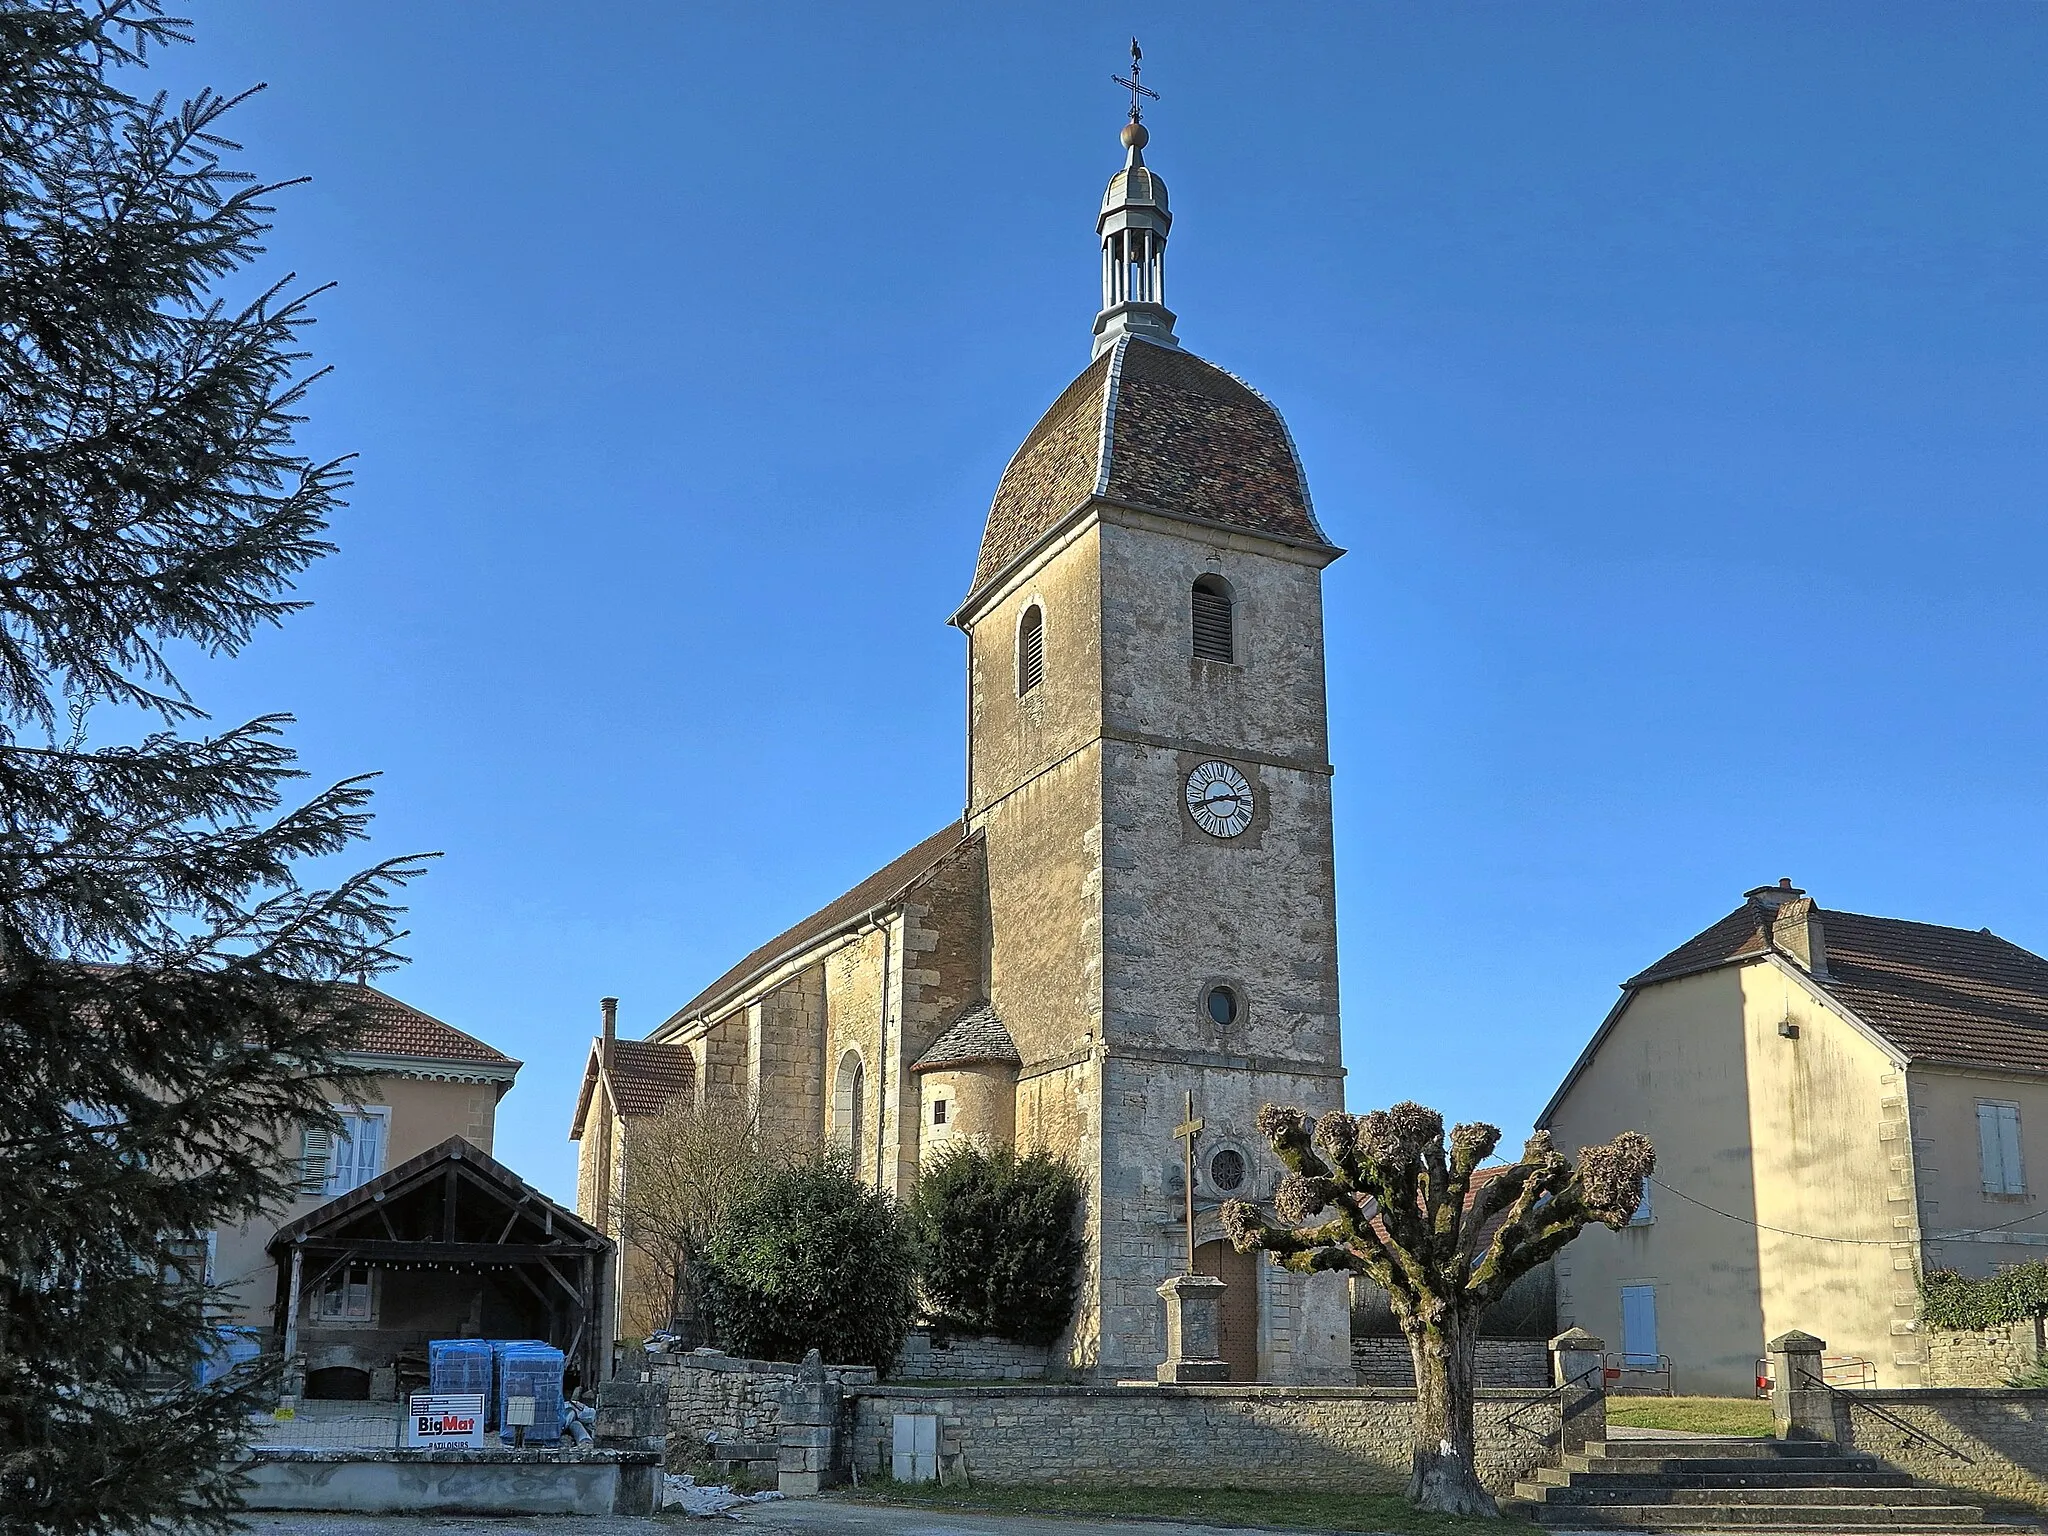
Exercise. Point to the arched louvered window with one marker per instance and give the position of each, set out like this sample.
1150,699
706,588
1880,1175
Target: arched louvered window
1215,622
1031,650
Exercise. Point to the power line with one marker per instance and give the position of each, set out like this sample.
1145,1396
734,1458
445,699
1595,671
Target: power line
1816,1237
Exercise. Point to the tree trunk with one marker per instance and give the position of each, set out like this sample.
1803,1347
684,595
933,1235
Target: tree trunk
1445,1477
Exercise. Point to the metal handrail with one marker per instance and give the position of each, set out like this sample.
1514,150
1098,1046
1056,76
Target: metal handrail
1911,1431
1557,1392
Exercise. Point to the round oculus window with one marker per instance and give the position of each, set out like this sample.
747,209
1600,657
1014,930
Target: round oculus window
1226,1169
1222,1006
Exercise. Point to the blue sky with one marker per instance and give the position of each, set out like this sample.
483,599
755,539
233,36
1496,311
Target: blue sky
1673,373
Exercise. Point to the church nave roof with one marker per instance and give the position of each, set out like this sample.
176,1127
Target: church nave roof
880,889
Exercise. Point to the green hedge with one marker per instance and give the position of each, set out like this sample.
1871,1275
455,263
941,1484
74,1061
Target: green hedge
998,1243
1950,1300
810,1257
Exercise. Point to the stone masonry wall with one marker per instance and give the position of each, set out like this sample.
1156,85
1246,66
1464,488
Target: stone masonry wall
2003,1433
1988,1357
1382,1362
713,1395
959,1358
1283,1436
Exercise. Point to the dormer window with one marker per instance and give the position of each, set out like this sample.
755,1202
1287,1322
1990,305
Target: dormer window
1030,650
1215,620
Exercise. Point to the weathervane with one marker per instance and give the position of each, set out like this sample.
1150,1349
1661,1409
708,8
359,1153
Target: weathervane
1137,90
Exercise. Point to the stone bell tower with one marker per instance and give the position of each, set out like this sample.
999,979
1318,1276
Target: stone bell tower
1149,766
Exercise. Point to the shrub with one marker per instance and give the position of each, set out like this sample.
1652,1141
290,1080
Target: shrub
997,1245
1950,1300
809,1257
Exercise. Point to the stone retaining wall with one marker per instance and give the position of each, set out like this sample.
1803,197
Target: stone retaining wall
931,1356
1283,1436
1384,1362
2003,1433
711,1394
1988,1357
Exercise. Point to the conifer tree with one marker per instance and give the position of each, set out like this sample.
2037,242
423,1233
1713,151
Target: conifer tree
168,999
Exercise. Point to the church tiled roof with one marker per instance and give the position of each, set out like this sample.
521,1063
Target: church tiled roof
978,1036
1154,427
1956,995
879,889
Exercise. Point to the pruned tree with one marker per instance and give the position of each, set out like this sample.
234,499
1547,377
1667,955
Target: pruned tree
1385,1195
683,1169
169,1013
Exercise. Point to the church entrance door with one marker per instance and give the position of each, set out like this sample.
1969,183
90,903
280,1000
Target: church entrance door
1239,1271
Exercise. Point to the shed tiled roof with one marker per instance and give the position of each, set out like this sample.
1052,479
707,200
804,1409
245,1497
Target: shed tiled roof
646,1077
979,1035
1154,427
1956,995
392,1028
879,889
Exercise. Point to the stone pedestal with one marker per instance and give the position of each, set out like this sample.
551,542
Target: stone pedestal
1578,1363
632,1415
1803,1407
1194,1329
804,1446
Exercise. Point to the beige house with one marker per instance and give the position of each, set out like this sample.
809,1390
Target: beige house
430,1082
626,1083
1839,1103
1137,907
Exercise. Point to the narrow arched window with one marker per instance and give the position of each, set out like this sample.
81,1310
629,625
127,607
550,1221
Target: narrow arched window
849,1109
1215,622
1031,650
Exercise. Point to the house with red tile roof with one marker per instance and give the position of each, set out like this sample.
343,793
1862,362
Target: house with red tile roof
1840,1104
429,1082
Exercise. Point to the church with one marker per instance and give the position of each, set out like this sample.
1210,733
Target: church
1137,908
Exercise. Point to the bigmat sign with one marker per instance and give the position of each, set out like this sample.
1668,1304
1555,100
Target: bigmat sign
445,1419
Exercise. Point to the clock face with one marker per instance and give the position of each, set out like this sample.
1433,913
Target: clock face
1220,799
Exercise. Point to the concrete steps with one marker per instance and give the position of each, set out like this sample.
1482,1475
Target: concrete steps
1735,1485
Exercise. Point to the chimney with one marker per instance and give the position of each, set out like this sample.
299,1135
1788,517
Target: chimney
610,1005
1796,931
1771,897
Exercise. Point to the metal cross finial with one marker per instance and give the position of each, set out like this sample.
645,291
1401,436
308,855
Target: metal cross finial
1132,85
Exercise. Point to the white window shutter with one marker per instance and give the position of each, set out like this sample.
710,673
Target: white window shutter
370,1160
2009,1149
316,1156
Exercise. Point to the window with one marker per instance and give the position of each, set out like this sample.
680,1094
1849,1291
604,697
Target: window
189,1261
1226,1170
357,1153
1222,1006
938,1111
344,1297
1215,625
1644,1216
1030,650
1998,1148
849,1104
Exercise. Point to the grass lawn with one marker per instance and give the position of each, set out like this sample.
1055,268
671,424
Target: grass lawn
1701,1415
1210,1506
